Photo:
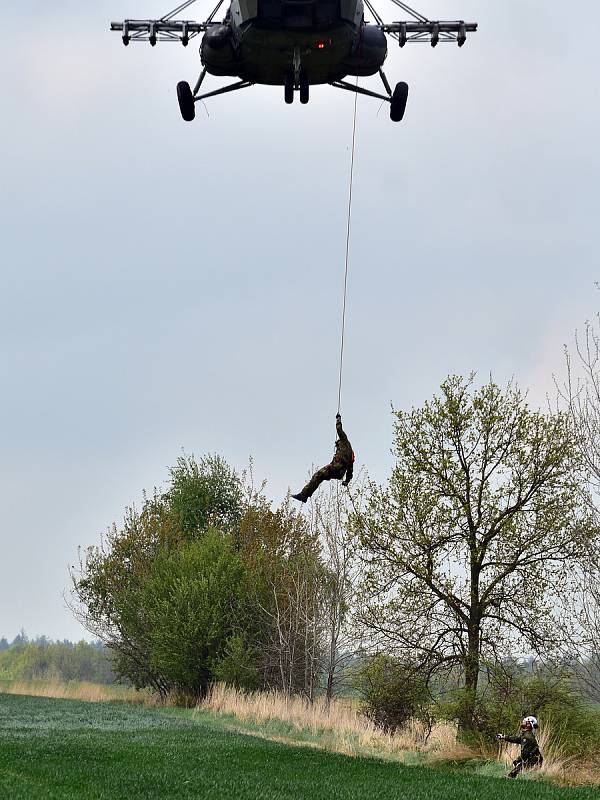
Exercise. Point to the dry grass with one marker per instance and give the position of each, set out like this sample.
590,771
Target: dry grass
79,690
340,727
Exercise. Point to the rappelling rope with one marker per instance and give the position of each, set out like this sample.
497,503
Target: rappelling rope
347,250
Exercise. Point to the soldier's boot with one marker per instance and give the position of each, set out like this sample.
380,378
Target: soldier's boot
307,492
518,766
311,487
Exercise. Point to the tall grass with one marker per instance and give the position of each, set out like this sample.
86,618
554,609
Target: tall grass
342,728
339,727
79,690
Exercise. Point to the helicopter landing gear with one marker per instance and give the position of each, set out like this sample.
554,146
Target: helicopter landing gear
397,99
288,88
296,79
304,88
398,102
188,97
187,105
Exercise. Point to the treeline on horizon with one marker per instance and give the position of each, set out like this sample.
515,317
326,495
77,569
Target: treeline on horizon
42,658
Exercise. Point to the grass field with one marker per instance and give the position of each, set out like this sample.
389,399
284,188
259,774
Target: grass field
58,749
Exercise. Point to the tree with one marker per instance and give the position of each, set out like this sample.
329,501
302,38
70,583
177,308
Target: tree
111,585
580,394
196,606
203,494
21,638
206,582
330,517
282,553
582,640
468,545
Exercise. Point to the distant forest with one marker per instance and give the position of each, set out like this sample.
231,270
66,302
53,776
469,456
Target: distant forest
45,659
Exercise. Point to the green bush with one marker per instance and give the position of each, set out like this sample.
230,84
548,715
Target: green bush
236,665
195,601
392,693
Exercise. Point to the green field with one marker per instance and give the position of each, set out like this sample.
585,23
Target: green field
69,749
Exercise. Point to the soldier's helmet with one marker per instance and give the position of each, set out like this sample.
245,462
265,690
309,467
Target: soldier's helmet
527,721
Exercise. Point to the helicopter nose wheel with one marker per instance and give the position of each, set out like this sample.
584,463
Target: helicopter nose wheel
398,102
304,88
288,88
187,106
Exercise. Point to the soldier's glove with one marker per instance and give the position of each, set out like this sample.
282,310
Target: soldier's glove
499,736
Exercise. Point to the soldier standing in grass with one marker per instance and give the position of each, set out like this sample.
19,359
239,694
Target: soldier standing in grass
342,465
530,752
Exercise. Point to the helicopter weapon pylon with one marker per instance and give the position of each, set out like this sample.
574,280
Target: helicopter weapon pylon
418,29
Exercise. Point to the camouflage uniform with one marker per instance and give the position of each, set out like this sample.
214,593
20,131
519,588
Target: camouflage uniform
342,465
530,752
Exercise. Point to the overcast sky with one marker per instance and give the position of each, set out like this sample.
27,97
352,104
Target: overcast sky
169,286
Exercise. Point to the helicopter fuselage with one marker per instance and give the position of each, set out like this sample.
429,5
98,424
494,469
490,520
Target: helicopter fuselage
262,41
295,44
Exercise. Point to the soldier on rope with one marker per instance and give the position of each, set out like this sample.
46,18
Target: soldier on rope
340,467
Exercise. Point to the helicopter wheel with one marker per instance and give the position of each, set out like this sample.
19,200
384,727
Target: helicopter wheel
288,91
187,105
399,100
304,88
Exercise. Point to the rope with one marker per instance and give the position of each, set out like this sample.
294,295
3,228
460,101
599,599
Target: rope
347,250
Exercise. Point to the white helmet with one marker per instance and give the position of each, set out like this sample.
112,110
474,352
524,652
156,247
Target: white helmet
532,721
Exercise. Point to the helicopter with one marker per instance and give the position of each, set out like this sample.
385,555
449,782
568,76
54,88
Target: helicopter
295,44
